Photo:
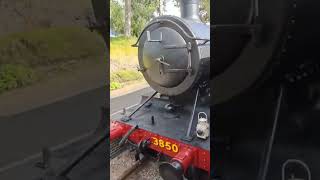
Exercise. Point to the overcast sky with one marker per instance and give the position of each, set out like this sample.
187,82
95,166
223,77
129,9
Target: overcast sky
171,9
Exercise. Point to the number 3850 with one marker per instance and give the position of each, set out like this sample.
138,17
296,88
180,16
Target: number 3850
165,144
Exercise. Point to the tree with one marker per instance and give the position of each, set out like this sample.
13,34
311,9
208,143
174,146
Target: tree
127,20
142,13
162,7
205,10
117,17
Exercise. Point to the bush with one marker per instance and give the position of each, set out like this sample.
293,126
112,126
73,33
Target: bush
125,76
15,76
46,46
115,85
119,78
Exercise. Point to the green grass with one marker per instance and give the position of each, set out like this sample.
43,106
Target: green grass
15,76
120,78
22,54
124,59
49,46
122,51
125,76
115,85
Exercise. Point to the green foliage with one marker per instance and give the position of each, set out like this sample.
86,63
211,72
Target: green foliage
121,77
117,16
122,51
115,85
142,13
15,76
205,10
50,46
123,41
125,76
22,54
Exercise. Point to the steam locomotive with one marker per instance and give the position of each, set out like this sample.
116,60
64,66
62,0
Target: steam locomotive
265,81
173,123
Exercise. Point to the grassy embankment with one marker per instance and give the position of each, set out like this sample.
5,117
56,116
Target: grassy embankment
124,61
27,57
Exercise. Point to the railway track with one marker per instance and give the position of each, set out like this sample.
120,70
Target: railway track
116,151
124,166
128,169
125,175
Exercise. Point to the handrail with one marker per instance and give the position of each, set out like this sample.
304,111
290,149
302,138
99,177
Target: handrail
170,21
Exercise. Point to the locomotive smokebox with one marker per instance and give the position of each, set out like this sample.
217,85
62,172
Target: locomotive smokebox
174,52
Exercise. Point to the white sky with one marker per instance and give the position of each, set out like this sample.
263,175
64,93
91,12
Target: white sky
171,9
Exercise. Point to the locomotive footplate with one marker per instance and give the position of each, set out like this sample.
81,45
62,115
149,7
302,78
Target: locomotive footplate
165,129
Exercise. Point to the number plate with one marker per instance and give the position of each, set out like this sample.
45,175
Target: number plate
165,144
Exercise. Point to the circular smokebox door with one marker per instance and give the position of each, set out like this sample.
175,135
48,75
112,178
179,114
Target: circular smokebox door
160,62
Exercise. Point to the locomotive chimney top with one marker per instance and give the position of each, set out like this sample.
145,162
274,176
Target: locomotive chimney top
190,9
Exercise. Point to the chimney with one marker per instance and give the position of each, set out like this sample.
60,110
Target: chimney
190,9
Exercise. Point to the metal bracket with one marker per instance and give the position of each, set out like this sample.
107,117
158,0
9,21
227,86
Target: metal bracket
128,118
188,136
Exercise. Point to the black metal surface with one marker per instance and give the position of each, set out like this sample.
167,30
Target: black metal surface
171,171
245,74
172,124
68,167
296,138
288,39
266,157
174,53
128,118
190,10
157,60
